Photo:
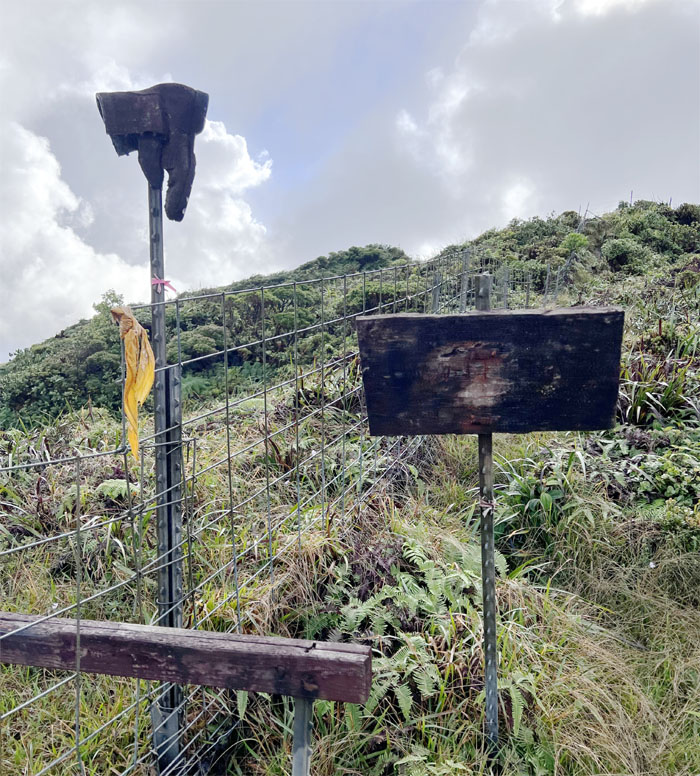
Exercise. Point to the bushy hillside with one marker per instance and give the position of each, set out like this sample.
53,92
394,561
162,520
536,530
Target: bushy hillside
81,363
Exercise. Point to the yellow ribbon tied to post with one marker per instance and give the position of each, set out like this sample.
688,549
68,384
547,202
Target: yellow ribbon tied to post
140,370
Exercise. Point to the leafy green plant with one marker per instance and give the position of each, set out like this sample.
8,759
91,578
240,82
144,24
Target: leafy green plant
656,391
115,490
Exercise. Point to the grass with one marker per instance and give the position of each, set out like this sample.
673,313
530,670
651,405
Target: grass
601,680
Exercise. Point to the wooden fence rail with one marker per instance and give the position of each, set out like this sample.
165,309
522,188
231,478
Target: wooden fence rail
305,670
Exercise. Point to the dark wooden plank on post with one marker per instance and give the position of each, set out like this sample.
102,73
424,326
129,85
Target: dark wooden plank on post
508,371
303,669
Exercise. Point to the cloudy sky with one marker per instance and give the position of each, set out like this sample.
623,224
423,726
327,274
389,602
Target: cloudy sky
409,122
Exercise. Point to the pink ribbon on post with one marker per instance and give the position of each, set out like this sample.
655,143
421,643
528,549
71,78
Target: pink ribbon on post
162,283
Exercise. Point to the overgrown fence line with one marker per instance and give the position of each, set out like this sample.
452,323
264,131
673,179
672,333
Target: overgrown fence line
281,458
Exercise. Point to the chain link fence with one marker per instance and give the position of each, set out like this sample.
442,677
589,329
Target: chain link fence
281,454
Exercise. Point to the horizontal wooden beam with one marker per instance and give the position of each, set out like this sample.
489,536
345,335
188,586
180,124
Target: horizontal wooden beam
481,372
303,669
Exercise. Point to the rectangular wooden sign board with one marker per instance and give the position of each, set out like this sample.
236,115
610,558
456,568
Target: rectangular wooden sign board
509,371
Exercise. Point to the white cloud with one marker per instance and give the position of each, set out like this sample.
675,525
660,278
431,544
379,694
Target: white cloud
50,275
75,218
487,110
601,7
107,76
517,199
228,166
545,106
557,102
219,236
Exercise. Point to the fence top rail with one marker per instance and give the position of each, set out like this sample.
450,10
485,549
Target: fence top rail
303,282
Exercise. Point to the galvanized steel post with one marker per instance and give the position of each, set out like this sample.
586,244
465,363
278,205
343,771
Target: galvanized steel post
166,712
527,291
301,743
437,283
464,288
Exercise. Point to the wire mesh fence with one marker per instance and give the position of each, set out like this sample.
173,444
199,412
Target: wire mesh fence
279,456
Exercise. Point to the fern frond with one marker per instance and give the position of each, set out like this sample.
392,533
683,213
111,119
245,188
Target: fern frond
405,699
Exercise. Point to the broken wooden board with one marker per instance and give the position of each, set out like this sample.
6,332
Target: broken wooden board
302,669
509,371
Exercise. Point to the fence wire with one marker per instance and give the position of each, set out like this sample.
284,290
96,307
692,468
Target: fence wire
280,457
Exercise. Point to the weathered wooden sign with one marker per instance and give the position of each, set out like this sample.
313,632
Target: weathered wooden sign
482,372
509,371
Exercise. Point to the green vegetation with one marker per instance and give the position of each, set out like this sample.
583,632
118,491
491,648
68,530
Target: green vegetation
598,549
82,363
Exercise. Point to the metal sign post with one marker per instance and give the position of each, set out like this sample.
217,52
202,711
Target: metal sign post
488,564
301,744
464,285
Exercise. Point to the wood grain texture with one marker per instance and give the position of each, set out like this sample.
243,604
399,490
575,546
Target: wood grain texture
303,669
509,371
